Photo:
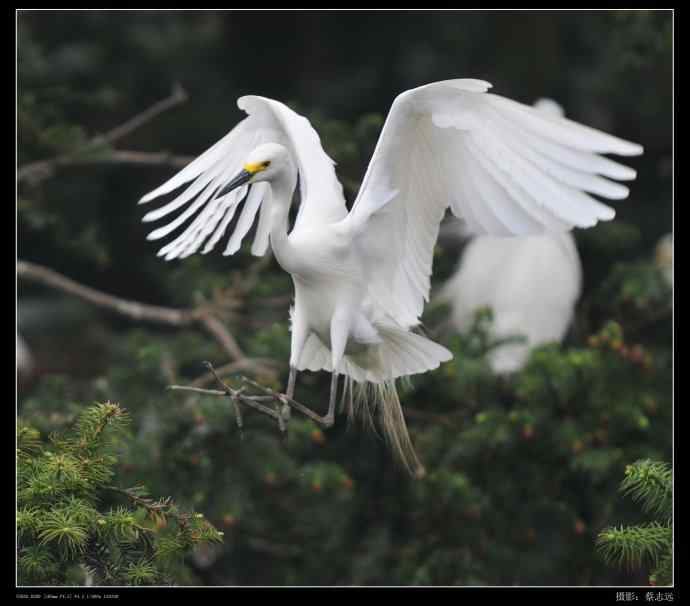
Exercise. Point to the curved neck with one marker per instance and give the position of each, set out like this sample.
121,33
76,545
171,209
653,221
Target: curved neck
282,188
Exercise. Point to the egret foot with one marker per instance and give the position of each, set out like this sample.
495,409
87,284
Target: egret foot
276,405
288,401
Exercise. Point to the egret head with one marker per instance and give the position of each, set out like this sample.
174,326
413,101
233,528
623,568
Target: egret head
264,163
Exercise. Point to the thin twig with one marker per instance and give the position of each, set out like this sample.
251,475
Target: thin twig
206,392
250,401
230,368
200,316
281,397
42,169
157,509
178,95
282,402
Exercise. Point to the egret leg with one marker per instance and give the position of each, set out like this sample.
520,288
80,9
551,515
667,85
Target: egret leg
329,419
340,328
290,393
350,405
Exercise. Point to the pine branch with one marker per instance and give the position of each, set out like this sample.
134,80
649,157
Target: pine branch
61,529
651,484
635,546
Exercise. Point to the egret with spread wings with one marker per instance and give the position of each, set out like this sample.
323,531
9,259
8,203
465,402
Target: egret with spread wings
361,277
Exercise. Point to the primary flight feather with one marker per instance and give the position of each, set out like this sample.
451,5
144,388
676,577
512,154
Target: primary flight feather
361,277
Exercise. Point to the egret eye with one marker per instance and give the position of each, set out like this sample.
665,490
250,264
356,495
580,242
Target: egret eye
266,164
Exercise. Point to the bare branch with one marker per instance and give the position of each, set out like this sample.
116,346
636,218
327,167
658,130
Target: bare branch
177,96
201,316
205,392
132,309
42,169
282,403
146,158
217,330
284,399
228,369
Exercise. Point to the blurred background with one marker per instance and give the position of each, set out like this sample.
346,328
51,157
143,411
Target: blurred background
523,469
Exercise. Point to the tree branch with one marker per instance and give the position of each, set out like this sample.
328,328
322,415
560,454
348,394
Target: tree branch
201,316
177,96
42,169
132,309
282,403
228,369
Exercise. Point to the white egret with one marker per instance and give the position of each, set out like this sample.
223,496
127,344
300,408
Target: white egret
531,284
361,277
25,361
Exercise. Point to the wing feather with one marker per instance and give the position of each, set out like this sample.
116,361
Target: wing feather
261,239
267,121
503,167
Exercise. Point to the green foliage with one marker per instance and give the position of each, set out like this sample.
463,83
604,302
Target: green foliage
522,470
649,483
66,532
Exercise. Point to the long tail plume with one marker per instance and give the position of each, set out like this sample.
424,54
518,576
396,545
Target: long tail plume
380,401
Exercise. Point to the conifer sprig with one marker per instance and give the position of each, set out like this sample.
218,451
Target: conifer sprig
68,531
649,483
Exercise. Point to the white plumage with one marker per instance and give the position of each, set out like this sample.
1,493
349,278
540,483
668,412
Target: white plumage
530,283
25,360
361,278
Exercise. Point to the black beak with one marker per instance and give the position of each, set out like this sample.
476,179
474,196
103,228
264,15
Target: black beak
240,179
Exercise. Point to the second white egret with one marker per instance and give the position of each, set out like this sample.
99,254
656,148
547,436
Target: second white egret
531,284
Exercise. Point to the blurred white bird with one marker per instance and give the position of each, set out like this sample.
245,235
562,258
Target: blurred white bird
361,277
531,284
25,361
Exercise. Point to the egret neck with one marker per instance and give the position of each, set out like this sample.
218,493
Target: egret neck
282,189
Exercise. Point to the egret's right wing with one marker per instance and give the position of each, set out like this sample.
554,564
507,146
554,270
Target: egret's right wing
503,167
268,121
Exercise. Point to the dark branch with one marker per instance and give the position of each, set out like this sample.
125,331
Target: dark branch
42,169
178,95
201,316
282,403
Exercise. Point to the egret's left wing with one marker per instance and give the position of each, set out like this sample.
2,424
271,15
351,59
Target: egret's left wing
208,214
503,167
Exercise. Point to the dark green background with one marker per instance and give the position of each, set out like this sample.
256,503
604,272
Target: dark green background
83,73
